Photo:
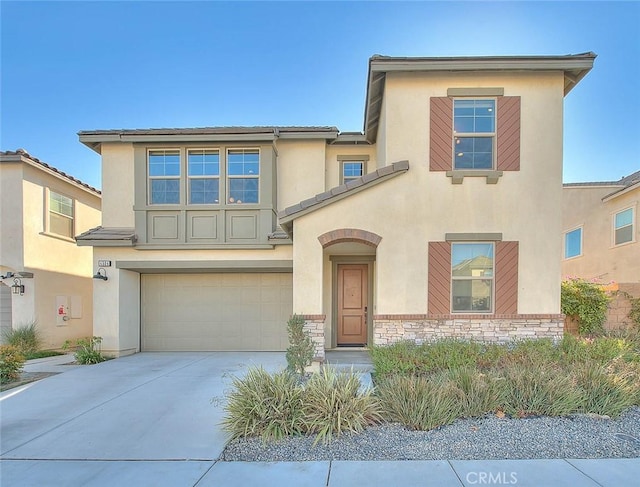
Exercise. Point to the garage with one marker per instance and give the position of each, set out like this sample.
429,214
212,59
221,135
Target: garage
5,310
215,311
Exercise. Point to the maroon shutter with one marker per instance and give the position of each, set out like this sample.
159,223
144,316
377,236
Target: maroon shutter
506,277
508,133
439,284
441,133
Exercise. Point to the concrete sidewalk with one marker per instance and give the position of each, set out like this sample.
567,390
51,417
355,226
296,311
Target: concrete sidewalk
152,419
435,473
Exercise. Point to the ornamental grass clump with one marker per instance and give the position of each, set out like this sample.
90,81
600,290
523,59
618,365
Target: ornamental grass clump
26,338
264,405
333,404
418,402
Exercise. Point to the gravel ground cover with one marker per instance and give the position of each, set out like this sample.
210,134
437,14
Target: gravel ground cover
487,438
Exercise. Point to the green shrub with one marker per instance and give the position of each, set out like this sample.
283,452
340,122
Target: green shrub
87,350
530,352
586,300
332,404
265,405
25,338
404,357
301,349
11,362
419,403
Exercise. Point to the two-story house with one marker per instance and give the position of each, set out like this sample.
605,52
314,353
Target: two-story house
442,218
46,277
601,238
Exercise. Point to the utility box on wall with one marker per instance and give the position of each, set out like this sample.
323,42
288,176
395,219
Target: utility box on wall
68,308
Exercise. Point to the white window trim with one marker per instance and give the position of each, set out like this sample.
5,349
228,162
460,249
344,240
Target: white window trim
46,217
491,311
352,161
564,242
228,177
189,178
179,177
634,228
493,135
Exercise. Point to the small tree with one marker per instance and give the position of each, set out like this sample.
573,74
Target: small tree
301,349
586,300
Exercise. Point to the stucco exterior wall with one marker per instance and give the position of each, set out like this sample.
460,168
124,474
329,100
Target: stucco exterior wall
118,185
300,170
421,206
61,270
332,164
600,259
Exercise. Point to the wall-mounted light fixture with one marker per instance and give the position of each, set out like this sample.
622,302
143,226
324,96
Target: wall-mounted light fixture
18,287
101,273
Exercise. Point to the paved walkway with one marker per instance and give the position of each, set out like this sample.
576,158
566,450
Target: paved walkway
152,419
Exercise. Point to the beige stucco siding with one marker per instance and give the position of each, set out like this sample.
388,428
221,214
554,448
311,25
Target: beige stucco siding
11,236
421,206
300,170
333,166
118,185
601,259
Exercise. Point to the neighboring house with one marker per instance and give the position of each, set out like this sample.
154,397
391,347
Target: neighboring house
46,276
440,219
601,237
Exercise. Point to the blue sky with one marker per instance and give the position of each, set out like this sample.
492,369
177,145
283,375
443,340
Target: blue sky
70,66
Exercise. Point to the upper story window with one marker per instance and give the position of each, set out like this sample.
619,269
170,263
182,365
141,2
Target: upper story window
243,169
474,127
164,177
204,176
623,226
573,243
352,170
60,215
472,275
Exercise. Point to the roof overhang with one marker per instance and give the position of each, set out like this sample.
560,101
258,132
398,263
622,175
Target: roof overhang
574,66
621,191
95,138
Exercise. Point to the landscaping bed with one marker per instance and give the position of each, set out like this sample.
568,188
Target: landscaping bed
533,399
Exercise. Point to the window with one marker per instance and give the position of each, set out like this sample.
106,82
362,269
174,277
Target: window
352,170
164,177
573,243
623,226
204,176
472,273
243,169
60,215
474,129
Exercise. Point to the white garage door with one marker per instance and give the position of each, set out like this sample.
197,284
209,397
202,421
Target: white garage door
210,312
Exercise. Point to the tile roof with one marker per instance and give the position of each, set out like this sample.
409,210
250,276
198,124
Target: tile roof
211,130
102,233
21,153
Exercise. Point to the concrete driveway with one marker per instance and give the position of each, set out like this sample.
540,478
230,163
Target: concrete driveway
148,406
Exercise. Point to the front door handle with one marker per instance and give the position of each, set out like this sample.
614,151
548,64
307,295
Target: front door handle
365,314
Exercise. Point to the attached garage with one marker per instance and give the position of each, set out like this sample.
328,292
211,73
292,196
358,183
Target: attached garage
215,311
5,309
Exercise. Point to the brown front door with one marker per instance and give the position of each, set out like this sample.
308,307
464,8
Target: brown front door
352,304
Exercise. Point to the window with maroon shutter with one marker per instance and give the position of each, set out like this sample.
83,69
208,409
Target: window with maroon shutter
448,277
474,133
